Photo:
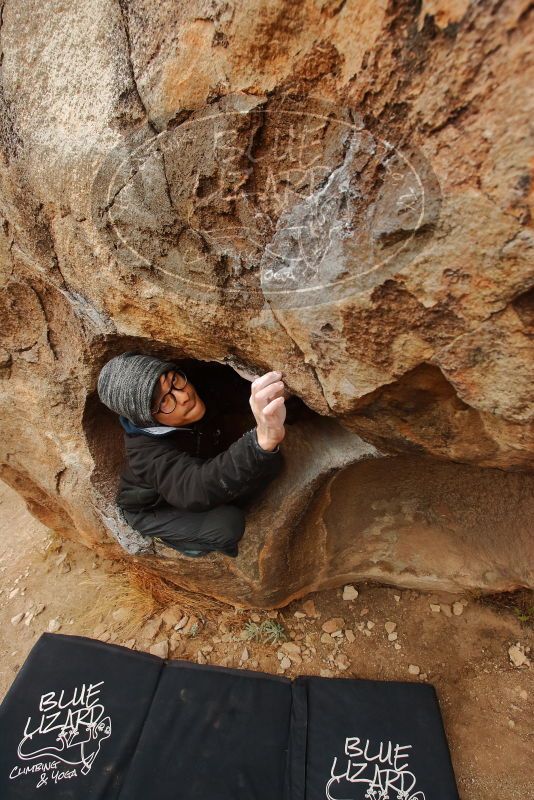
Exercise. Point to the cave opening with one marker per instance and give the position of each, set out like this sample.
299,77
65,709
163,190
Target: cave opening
233,393
104,433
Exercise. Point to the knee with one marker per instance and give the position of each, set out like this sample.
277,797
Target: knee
232,522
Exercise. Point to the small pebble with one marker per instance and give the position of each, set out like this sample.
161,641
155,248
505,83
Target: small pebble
517,655
290,649
342,662
160,649
349,592
309,609
334,624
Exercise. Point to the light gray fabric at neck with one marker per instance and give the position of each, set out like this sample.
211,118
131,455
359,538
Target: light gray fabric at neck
126,384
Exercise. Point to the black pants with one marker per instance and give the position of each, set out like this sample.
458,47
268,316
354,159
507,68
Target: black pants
220,528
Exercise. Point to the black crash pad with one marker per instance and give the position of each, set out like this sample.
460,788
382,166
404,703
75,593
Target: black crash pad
85,720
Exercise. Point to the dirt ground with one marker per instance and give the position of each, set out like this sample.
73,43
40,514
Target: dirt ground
459,644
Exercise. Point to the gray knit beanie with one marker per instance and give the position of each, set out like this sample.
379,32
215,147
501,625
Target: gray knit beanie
126,384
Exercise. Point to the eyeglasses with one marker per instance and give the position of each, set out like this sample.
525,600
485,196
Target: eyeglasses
168,402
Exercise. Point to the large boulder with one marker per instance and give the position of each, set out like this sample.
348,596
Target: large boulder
336,189
341,513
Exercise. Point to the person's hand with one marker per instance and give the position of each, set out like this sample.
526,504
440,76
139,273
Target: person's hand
267,401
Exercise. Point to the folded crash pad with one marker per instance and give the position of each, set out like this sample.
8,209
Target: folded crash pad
85,720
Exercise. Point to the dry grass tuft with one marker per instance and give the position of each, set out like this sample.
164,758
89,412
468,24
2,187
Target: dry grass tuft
519,602
140,595
114,592
166,594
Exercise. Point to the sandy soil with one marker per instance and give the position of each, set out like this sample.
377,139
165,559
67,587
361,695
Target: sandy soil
487,703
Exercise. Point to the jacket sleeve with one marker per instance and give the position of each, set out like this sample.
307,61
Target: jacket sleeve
198,484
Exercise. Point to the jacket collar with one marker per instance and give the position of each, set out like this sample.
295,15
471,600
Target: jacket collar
155,431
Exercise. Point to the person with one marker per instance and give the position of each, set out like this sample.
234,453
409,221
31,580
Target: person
177,484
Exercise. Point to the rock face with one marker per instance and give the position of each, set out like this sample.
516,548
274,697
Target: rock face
340,190
412,521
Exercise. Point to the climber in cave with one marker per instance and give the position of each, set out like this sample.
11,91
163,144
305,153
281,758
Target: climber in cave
176,485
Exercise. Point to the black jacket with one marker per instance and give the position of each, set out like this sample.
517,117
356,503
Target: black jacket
185,468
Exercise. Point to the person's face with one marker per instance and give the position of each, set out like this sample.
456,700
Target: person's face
189,406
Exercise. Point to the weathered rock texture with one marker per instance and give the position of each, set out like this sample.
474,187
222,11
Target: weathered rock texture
339,189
